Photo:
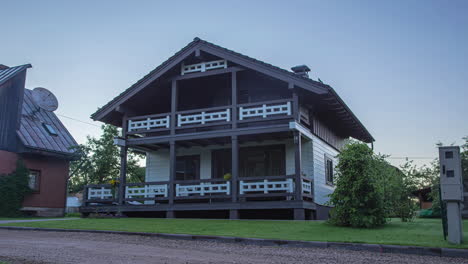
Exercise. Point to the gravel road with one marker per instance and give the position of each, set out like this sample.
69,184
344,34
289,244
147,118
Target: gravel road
66,247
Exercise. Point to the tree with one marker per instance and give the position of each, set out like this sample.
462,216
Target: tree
100,162
13,188
359,197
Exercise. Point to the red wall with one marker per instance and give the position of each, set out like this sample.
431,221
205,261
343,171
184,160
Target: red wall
7,162
52,182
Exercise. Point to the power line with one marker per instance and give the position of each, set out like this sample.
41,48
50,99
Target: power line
77,120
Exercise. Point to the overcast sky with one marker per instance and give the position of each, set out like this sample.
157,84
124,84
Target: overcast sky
401,66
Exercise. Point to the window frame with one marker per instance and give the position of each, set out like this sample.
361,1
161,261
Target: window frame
329,181
37,188
185,159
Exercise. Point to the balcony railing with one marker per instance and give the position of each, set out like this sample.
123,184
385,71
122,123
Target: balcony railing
204,66
211,116
268,186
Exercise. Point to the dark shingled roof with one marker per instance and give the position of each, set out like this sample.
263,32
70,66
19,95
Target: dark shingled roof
33,134
6,74
197,42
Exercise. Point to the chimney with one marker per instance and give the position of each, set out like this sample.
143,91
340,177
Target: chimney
3,67
301,70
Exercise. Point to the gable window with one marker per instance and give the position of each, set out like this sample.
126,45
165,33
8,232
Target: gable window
329,170
262,161
188,168
50,129
34,180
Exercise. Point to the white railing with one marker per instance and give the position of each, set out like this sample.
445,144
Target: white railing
147,191
203,117
306,187
265,110
204,66
266,186
149,123
100,193
203,188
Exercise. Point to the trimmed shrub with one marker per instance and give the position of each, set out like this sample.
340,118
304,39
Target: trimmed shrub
13,188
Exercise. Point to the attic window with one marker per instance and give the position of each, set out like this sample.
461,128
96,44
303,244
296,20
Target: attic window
50,129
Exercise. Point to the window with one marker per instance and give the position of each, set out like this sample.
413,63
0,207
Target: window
221,163
262,161
50,129
328,170
188,168
34,177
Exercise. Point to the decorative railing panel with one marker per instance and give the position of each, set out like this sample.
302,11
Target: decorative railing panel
306,186
203,188
204,66
203,117
100,193
147,191
148,123
266,186
265,110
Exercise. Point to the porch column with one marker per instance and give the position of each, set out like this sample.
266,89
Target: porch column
297,165
172,171
123,164
234,99
295,106
173,124
234,168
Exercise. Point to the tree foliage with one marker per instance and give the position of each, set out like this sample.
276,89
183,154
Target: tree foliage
358,198
100,162
13,188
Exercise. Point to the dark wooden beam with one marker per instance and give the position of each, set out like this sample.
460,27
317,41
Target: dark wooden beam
297,165
173,107
207,73
172,171
234,99
235,167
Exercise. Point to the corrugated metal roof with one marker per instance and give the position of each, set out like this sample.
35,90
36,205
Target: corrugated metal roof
34,135
8,73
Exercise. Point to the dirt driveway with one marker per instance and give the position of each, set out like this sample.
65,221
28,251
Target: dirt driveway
64,247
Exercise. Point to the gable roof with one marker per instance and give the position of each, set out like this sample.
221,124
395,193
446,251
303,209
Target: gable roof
9,73
34,135
243,60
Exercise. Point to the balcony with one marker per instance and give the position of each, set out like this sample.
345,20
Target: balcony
209,117
248,187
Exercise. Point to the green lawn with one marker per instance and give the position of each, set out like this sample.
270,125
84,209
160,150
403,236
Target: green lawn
421,232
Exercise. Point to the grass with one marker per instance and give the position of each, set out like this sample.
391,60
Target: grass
421,232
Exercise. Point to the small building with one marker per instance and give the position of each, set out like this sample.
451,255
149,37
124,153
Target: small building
30,131
227,136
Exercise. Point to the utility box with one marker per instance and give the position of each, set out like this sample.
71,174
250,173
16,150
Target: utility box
451,179
451,189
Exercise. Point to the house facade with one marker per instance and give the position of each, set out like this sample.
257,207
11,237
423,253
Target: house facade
226,135
38,138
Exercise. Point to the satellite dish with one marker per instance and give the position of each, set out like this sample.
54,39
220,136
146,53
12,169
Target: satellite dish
44,99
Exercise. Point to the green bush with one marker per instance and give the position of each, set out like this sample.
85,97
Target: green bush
358,199
13,188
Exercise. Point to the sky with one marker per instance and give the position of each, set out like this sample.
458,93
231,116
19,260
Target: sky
401,66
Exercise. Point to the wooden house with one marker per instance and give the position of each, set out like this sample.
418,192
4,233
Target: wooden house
30,131
227,136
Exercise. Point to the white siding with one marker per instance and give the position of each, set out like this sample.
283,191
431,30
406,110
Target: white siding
321,189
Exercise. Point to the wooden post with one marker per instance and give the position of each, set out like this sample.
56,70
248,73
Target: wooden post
299,214
297,165
296,114
172,171
123,164
234,99
234,167
173,106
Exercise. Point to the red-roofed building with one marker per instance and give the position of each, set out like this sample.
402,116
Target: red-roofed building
36,136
